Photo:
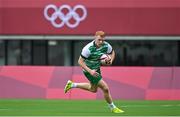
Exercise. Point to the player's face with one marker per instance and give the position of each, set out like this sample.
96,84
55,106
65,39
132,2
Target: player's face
99,41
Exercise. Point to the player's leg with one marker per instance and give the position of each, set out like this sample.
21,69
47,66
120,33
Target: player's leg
107,96
84,86
92,86
104,87
87,86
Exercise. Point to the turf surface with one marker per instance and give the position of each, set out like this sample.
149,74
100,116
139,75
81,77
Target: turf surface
40,107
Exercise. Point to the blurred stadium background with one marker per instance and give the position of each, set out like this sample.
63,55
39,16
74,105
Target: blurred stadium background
38,56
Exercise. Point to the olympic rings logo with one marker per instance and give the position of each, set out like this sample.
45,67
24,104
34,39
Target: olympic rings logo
65,18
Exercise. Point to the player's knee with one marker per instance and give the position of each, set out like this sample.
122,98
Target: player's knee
106,90
93,90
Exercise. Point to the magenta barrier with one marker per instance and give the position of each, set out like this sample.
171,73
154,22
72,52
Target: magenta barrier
119,17
145,83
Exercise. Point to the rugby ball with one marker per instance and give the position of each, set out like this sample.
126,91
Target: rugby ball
103,59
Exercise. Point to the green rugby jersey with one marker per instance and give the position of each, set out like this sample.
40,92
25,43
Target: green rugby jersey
92,54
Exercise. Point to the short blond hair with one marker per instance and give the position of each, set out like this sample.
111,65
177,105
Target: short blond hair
100,33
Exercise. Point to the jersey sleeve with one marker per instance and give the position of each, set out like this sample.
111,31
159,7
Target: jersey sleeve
85,52
109,50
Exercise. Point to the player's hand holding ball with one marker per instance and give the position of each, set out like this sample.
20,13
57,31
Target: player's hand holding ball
106,59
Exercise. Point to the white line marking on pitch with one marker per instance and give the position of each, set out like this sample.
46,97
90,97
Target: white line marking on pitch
4,109
167,105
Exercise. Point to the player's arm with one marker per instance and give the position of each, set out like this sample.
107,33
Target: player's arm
110,59
112,56
111,53
85,67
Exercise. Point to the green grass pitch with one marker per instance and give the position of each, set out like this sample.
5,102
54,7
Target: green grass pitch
42,107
